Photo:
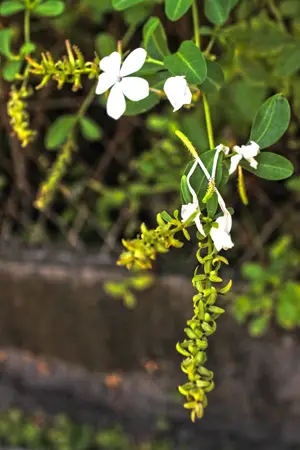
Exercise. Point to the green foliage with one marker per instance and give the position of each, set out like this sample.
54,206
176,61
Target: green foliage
271,121
105,44
120,5
90,130
272,292
37,431
49,8
187,61
217,11
155,40
271,167
59,131
175,9
123,289
11,7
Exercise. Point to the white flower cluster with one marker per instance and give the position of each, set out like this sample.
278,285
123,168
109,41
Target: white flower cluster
220,230
116,76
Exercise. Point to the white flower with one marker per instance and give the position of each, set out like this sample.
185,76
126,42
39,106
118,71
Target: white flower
221,235
245,151
116,77
190,208
222,148
178,92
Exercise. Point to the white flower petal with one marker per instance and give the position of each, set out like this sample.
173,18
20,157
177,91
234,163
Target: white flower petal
234,162
199,224
188,210
253,163
135,88
111,64
250,151
134,61
105,82
178,92
222,148
116,104
220,237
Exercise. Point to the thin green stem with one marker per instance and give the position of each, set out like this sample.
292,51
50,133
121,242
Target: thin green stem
195,13
86,104
208,122
276,12
154,61
128,35
27,26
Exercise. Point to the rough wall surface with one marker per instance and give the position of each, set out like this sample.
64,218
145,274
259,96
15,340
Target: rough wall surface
79,336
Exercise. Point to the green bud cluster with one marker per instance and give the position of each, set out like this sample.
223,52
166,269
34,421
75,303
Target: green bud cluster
142,251
18,114
69,69
199,328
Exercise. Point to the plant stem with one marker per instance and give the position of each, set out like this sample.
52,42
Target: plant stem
154,61
128,35
196,24
208,122
276,12
86,104
27,26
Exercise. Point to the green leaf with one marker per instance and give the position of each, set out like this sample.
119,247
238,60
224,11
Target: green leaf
294,184
51,8
271,121
137,14
156,81
120,5
59,131
105,44
187,61
27,48
258,325
90,129
288,62
11,69
155,40
184,189
11,7
253,271
271,166
5,41
217,11
214,79
175,9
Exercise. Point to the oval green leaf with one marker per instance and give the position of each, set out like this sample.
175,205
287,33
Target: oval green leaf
175,9
271,121
11,69
90,129
59,131
8,8
105,44
271,166
217,11
51,8
5,41
188,61
155,40
124,4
